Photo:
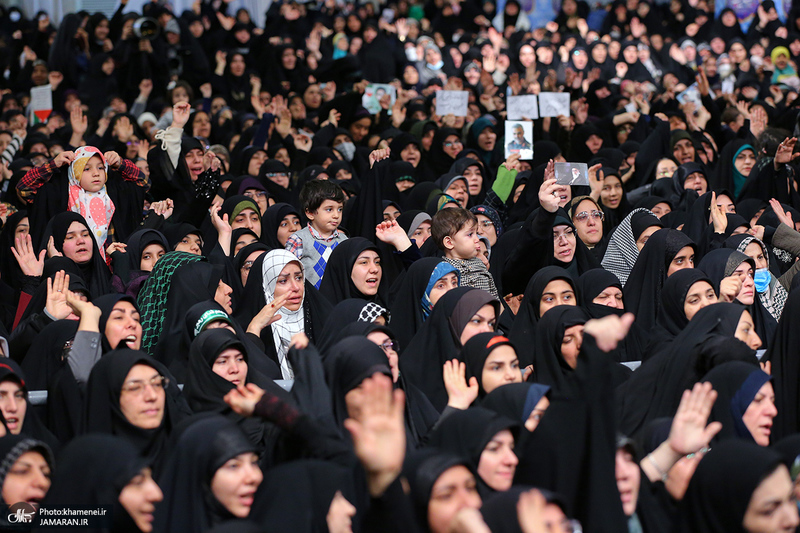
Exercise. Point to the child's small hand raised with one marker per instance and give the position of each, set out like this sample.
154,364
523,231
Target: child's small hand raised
64,158
113,159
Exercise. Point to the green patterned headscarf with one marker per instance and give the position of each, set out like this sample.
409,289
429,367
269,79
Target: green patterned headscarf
153,296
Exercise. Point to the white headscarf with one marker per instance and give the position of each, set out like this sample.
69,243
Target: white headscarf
291,322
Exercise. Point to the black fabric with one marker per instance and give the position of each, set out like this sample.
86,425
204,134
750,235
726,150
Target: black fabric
38,299
276,505
52,201
102,413
515,400
720,264
316,309
342,315
92,471
10,271
549,366
31,425
671,318
523,332
654,390
337,284
271,221
466,434
476,351
95,272
106,305
438,340
406,298
590,285
420,415
191,284
351,361
204,389
422,469
736,384
720,489
572,450
46,355
203,447
643,288
786,369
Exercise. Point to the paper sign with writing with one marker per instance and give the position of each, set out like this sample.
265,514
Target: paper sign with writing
452,103
553,104
523,107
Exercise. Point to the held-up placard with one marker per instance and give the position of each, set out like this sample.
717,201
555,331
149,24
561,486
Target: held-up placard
553,104
452,103
523,107
41,103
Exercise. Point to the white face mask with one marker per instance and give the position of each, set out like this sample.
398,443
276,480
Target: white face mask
411,54
347,149
725,70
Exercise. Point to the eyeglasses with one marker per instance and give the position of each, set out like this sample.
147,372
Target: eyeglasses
450,144
257,194
391,344
666,173
486,223
247,266
567,234
276,175
137,386
583,215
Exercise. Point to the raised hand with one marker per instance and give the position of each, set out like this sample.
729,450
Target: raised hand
390,232
123,129
243,399
609,331
784,153
530,512
56,303
378,431
78,121
717,216
460,395
378,155
267,315
64,158
113,159
689,431
180,114
782,215
729,288
548,195
24,253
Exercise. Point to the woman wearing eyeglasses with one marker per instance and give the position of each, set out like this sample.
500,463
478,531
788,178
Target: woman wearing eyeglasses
131,395
587,216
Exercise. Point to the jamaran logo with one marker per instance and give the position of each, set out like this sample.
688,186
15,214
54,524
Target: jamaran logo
21,513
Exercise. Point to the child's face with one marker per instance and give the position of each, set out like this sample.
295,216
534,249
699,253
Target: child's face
465,243
94,175
781,61
327,218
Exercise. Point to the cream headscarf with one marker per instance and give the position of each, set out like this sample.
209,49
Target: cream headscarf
291,322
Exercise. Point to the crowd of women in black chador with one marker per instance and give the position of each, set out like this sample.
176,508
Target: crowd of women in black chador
221,353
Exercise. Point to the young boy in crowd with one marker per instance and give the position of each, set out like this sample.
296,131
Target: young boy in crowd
455,232
322,202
